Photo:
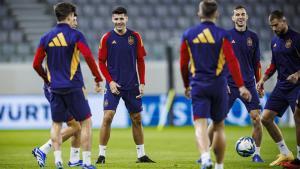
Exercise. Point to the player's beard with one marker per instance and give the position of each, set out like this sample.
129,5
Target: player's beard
279,33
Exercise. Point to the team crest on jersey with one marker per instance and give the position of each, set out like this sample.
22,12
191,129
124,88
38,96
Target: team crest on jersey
130,40
249,42
288,43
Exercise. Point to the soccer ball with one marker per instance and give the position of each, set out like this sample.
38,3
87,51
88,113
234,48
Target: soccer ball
245,146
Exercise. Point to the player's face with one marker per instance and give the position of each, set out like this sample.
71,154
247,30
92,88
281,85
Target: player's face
120,21
240,17
74,24
278,26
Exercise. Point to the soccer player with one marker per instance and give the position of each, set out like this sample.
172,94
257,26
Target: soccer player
120,51
285,48
62,45
207,48
245,45
73,129
295,164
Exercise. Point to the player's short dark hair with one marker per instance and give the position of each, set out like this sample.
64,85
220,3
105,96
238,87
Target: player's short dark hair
239,7
63,10
119,10
277,14
208,8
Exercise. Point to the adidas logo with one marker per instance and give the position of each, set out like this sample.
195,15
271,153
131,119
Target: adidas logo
232,41
114,42
58,41
204,37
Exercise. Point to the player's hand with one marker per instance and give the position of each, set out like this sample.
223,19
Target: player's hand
114,87
260,88
98,88
228,90
187,92
293,78
141,88
244,92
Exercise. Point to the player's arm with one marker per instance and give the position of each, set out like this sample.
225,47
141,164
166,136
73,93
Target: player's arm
294,78
88,56
234,69
141,53
102,56
38,61
184,65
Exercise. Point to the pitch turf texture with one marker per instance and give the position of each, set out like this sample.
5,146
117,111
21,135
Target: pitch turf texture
174,147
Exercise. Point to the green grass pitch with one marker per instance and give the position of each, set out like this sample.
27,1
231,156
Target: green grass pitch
174,147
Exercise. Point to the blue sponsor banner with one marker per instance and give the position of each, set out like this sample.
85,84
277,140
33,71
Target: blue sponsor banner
182,111
154,108
33,112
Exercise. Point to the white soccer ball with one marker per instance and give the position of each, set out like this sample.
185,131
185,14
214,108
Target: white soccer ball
245,146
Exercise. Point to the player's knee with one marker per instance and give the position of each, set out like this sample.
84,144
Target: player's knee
266,121
136,119
74,125
107,120
255,118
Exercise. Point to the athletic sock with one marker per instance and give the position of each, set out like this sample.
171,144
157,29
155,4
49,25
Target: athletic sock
57,156
86,158
205,158
219,166
257,150
74,154
140,150
102,150
283,147
46,147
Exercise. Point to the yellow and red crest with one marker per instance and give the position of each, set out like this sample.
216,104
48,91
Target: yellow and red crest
288,43
130,40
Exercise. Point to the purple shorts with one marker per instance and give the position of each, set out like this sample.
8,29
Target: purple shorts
132,104
69,101
47,93
254,104
280,99
210,99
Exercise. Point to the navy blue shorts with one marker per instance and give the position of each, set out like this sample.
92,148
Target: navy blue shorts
47,93
280,99
210,99
132,104
73,101
254,104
